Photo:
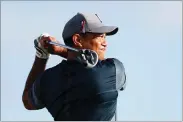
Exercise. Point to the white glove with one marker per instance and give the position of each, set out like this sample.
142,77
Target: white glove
41,52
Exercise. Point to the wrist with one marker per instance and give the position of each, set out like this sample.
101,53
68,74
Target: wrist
42,54
40,60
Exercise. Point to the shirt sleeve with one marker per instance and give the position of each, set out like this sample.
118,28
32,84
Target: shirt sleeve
34,94
120,75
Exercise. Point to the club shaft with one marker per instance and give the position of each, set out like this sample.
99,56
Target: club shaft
61,45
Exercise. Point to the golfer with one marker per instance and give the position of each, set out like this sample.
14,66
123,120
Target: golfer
70,91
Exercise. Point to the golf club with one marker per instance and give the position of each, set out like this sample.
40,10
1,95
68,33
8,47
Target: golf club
65,46
86,56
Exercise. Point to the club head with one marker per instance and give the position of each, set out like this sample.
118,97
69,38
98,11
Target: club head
88,57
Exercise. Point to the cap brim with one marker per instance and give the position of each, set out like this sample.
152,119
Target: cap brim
109,30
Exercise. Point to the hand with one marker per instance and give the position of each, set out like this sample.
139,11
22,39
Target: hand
49,48
41,51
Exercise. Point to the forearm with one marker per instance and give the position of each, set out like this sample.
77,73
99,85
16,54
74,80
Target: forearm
38,67
63,52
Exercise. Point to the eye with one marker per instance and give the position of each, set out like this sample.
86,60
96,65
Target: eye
103,35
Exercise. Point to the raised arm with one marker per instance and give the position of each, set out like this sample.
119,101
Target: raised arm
31,91
38,68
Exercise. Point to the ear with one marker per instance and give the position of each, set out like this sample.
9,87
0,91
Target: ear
77,40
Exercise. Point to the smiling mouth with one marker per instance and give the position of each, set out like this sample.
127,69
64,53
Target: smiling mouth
103,49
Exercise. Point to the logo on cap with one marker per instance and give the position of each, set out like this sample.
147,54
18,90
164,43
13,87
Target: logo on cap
83,26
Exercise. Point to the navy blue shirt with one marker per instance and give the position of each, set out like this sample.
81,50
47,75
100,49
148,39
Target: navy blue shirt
72,92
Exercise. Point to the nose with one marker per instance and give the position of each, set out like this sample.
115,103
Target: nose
104,43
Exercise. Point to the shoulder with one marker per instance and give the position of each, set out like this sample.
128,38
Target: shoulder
109,64
52,71
116,62
51,78
120,74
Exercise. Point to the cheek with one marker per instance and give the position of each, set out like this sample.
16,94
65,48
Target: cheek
88,45
96,44
92,44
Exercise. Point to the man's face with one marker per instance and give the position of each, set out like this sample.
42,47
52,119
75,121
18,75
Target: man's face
95,42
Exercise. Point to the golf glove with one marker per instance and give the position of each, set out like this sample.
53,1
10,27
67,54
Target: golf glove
41,52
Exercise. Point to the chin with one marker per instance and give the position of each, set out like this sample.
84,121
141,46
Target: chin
101,57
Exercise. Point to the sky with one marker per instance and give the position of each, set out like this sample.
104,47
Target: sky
149,43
